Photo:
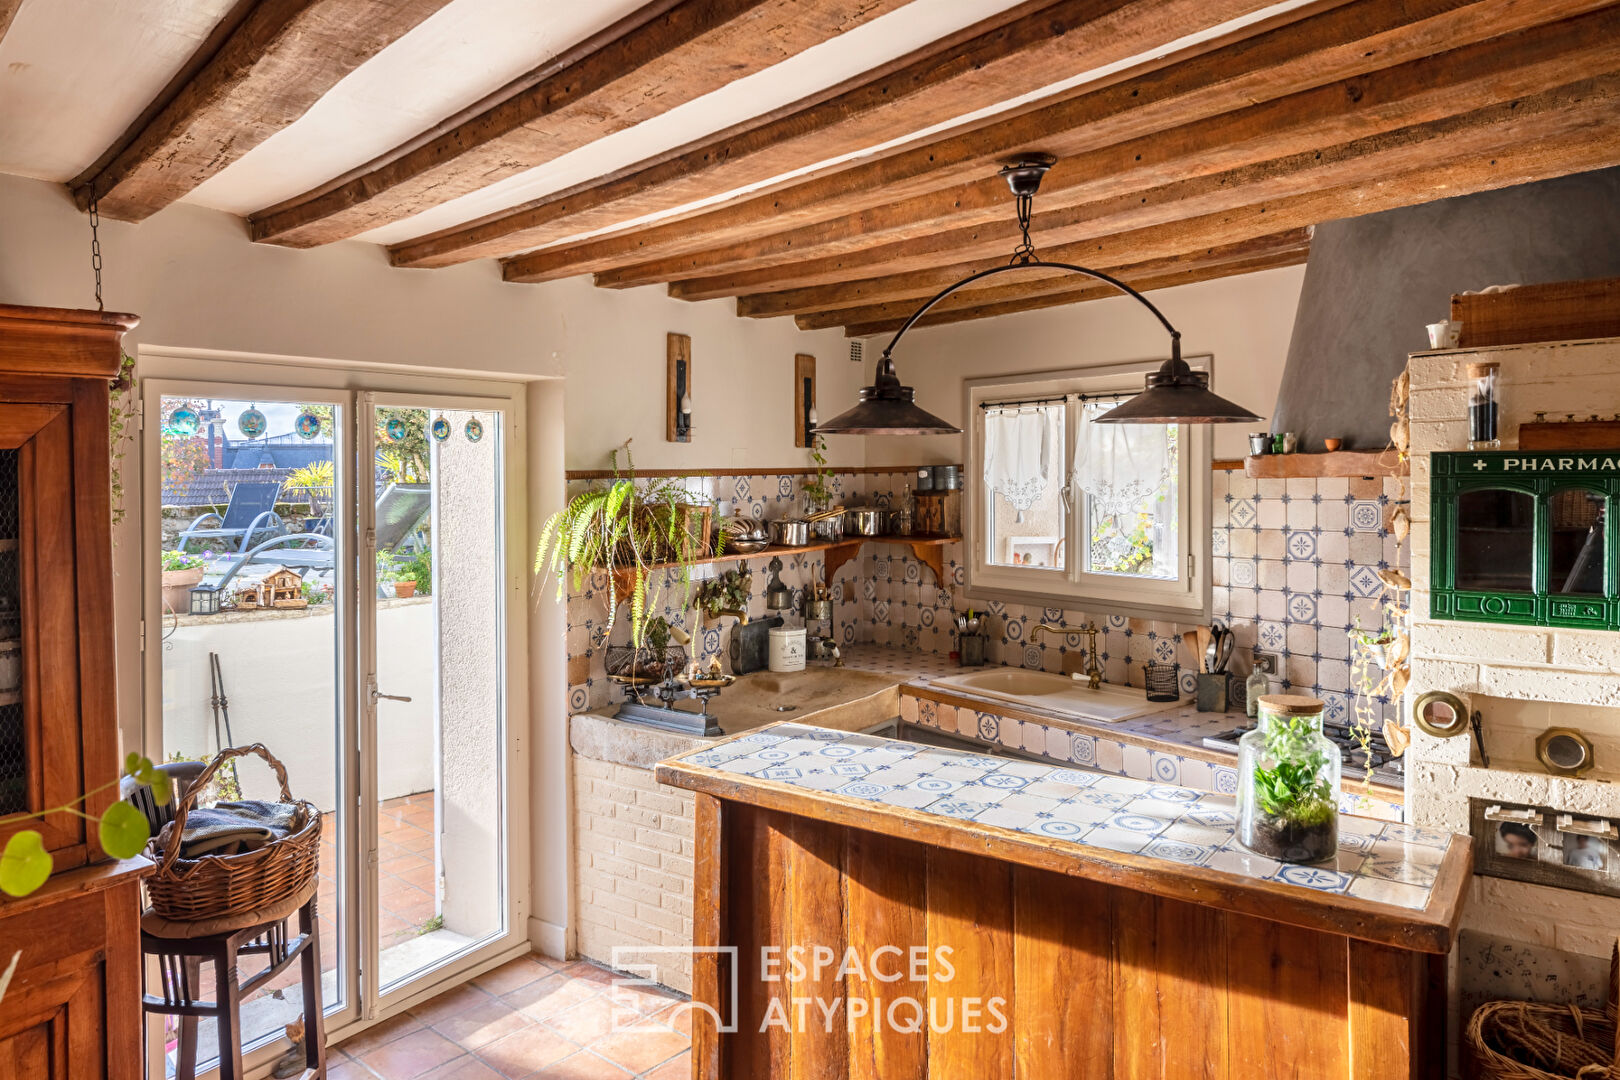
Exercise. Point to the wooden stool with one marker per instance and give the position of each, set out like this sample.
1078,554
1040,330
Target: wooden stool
181,948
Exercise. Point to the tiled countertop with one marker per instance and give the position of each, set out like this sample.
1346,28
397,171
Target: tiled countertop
1381,868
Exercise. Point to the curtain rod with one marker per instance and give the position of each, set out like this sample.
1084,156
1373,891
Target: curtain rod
1065,399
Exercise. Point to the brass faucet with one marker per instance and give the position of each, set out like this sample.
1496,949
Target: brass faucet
1093,671
740,616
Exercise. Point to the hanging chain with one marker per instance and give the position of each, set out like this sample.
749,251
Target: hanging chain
95,245
1025,251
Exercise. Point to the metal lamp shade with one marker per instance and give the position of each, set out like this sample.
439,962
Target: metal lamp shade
1176,394
887,408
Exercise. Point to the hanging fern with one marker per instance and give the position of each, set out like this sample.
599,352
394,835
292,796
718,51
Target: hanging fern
642,529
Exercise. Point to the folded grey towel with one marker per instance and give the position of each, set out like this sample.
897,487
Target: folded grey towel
231,828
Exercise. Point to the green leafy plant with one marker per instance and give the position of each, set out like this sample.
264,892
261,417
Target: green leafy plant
419,568
625,526
1294,788
387,568
180,560
819,490
315,593
122,830
315,479
123,408
727,592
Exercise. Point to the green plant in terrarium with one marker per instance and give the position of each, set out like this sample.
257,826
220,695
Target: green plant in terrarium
648,530
1294,788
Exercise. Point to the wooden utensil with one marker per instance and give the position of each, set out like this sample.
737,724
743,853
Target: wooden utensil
1205,643
1190,639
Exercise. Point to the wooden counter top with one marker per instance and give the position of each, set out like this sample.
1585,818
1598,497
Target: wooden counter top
1391,884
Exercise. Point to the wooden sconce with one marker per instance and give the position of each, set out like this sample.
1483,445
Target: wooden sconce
678,400
804,400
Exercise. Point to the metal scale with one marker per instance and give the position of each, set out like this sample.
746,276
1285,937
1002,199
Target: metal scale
660,712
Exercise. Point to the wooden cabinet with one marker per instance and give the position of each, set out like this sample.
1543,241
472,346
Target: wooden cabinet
72,1009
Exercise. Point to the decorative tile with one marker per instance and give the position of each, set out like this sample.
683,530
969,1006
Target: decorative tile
1366,516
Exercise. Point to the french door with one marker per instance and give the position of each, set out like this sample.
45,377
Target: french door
333,571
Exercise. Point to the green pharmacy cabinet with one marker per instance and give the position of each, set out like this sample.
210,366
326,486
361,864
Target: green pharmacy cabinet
1523,537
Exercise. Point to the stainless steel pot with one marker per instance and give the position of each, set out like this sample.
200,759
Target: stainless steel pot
790,532
744,536
865,521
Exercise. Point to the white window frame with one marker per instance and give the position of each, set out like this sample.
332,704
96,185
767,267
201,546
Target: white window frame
1186,598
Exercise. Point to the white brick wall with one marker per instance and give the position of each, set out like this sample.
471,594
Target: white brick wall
1535,675
633,869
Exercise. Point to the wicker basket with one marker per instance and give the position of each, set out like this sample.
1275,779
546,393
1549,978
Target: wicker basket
217,886
1522,1040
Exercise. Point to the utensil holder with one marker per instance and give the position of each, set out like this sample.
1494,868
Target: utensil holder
970,649
1214,691
1162,681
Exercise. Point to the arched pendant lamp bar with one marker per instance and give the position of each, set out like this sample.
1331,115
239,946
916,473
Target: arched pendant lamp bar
1175,394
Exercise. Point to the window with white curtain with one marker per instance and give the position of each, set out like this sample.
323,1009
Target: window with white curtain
1065,512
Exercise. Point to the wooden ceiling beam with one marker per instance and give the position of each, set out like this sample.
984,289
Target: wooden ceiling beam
979,214
664,54
263,68
1211,272
8,11
1014,288
1482,131
1035,44
1589,141
1307,48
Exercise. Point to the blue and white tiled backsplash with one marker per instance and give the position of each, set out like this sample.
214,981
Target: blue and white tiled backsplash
1294,567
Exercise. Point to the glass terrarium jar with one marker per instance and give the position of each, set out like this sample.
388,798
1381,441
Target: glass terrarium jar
1288,783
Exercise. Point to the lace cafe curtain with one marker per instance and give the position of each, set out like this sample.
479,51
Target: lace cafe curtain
1018,453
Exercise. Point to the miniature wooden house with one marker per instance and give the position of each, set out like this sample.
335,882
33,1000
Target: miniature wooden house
280,588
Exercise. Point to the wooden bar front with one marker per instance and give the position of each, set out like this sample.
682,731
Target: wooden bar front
1025,971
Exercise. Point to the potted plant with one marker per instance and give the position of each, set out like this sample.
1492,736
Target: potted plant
388,576
642,533
419,570
1288,783
181,572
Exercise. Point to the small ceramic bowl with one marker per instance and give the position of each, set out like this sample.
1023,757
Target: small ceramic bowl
1332,444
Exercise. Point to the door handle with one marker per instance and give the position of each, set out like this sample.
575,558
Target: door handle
377,695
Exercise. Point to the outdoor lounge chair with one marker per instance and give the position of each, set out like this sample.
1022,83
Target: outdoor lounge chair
250,514
401,509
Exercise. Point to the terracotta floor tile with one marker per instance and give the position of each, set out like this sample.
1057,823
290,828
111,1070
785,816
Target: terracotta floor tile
551,995
346,1070
379,1034
525,1052
512,975
411,1055
678,1016
463,1068
586,1023
449,1003
678,1068
638,1051
581,1066
482,1024
589,972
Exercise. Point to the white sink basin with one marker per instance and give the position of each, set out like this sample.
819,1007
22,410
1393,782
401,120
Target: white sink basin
1056,693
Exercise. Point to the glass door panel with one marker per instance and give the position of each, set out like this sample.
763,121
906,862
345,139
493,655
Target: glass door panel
252,520
437,685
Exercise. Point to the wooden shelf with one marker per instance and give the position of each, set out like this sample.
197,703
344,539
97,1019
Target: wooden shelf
1337,463
928,549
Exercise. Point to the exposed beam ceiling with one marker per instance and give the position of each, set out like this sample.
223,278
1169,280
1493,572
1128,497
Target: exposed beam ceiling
1588,139
1034,45
267,63
1323,47
663,55
1161,274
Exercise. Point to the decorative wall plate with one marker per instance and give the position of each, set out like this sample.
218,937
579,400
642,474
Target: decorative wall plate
441,428
308,425
183,422
251,423
474,430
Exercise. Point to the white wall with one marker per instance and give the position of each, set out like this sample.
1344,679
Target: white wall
1243,322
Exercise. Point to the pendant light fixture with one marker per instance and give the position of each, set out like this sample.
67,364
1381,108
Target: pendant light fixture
1175,394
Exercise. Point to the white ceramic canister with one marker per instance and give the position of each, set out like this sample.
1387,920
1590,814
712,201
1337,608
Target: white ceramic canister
787,648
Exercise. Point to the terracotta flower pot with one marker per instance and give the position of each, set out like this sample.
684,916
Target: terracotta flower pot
402,589
177,588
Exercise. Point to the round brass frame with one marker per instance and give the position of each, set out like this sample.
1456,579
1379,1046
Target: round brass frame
1429,713
1558,746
